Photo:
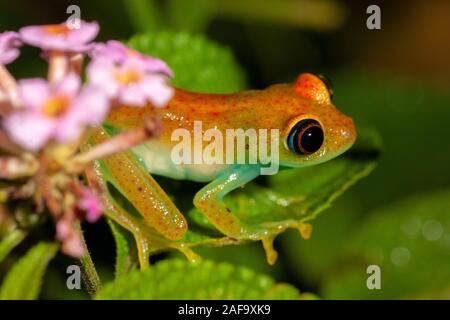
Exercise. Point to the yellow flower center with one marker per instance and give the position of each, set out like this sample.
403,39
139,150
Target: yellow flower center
57,29
56,106
132,53
128,77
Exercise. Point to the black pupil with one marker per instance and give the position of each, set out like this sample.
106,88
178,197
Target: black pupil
312,138
306,137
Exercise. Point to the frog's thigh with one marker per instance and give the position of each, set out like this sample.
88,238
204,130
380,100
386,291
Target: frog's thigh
209,200
139,187
150,200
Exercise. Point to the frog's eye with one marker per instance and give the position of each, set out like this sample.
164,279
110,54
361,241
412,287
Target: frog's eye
312,87
305,137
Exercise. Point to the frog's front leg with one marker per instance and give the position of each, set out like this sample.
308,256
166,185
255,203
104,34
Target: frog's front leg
209,200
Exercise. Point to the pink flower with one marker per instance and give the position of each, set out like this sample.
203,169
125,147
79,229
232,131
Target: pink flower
58,113
9,42
60,36
128,83
70,238
91,204
119,53
73,246
63,229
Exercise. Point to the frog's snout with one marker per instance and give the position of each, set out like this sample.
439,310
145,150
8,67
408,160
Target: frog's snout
346,133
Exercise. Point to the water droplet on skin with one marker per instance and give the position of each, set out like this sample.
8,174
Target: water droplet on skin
432,230
400,256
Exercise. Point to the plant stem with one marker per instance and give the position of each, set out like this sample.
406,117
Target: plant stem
9,85
116,144
89,273
58,66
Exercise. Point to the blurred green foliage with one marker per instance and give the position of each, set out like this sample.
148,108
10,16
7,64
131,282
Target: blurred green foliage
9,242
410,242
24,280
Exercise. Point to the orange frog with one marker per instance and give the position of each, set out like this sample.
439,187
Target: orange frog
305,129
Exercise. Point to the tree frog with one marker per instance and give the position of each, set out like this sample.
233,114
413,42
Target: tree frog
311,131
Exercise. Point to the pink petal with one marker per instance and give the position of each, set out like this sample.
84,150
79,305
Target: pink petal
100,73
89,109
70,85
9,56
157,90
63,229
132,96
73,246
73,40
9,42
152,64
29,130
85,34
148,64
119,53
94,105
112,50
91,204
68,130
33,93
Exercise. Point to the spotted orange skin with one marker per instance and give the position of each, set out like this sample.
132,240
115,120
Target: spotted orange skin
279,107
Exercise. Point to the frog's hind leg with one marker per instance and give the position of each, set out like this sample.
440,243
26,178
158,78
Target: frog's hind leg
157,223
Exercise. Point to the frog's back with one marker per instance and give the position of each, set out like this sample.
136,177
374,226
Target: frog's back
184,109
248,109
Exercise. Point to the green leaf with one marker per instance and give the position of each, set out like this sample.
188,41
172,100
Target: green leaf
198,63
23,281
409,241
124,249
179,279
10,242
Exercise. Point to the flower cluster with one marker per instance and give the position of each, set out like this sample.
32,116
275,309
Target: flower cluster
44,121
